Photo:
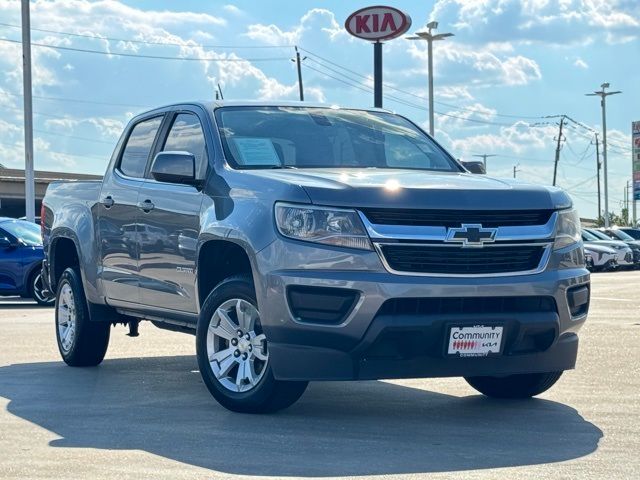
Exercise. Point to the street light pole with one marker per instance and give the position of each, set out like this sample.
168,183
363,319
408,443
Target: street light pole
429,37
603,103
29,186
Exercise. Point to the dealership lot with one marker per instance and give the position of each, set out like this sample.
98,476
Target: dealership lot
145,413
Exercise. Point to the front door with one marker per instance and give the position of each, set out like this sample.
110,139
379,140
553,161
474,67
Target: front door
117,217
11,265
169,224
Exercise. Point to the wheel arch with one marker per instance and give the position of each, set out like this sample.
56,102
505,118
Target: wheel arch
63,253
219,259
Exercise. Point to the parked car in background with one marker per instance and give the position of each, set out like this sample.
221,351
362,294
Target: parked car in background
21,256
35,220
625,253
599,258
606,238
617,234
631,231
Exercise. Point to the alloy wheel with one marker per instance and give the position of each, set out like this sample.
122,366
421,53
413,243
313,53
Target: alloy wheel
236,346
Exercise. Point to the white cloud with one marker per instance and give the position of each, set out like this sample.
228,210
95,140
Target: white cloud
232,9
314,21
542,21
462,64
580,63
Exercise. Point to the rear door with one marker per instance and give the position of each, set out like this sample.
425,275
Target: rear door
118,212
169,231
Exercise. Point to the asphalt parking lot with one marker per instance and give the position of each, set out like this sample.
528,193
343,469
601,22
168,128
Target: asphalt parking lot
145,413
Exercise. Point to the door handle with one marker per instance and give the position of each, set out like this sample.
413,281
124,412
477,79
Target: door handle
146,206
108,201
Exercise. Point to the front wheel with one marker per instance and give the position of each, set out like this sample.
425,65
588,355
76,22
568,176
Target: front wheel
233,352
514,386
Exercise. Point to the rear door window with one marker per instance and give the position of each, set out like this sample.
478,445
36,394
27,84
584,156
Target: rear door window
139,144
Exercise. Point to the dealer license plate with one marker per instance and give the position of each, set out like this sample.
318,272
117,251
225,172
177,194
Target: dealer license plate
476,341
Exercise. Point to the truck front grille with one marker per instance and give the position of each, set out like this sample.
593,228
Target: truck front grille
454,218
457,260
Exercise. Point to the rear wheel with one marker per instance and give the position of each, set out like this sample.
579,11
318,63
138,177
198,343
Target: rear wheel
233,353
81,342
36,290
514,386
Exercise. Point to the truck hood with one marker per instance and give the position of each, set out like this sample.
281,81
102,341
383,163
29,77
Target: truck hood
401,188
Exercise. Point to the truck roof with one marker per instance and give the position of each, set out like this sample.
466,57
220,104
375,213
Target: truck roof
214,104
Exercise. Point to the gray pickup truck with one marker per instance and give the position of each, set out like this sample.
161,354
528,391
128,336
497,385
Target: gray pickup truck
303,242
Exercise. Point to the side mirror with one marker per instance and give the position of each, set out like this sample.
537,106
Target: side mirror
5,243
174,167
475,167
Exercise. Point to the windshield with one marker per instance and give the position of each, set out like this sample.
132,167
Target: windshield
633,233
620,235
599,235
303,137
589,237
28,232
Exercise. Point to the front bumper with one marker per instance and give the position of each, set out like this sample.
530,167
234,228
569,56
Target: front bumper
371,343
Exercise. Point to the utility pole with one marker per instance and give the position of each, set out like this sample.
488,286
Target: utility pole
299,67
555,165
515,170
598,166
29,185
484,157
430,38
626,198
603,94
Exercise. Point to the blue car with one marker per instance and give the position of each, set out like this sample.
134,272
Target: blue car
21,256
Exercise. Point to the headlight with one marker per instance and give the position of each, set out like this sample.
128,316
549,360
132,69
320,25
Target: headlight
330,226
567,229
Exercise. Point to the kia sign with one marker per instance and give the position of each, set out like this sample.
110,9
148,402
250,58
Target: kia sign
377,23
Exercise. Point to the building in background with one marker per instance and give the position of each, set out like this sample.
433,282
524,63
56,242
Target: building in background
12,202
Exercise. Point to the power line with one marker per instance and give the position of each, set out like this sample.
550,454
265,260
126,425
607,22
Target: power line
75,137
154,57
391,87
76,100
49,152
400,100
143,42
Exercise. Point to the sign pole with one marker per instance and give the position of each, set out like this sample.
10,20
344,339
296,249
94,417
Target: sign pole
635,167
377,74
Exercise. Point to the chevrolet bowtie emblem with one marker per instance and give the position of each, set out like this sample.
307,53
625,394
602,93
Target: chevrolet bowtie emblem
471,235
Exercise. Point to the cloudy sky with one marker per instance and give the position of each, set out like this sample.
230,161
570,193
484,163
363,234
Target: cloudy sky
510,64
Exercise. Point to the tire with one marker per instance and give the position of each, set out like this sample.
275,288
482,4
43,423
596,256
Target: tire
36,290
81,342
237,356
514,386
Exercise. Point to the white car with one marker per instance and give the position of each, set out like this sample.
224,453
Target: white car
624,254
599,257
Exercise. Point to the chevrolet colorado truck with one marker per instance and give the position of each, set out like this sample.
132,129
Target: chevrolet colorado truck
302,242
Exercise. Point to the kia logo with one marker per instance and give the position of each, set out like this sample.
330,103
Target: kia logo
377,23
